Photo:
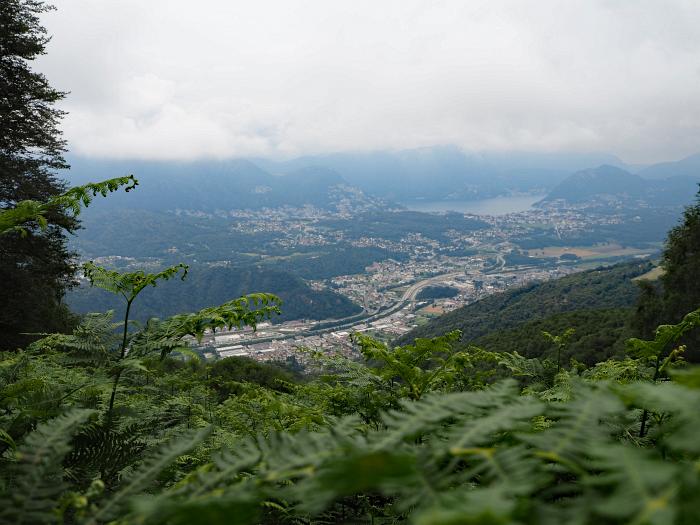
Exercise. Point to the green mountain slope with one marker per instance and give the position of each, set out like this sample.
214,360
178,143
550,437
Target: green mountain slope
173,239
593,289
599,335
206,286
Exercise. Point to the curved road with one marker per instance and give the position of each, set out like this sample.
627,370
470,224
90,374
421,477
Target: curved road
413,290
408,296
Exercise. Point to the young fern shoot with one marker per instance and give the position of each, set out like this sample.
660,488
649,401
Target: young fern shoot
166,336
560,342
654,352
129,286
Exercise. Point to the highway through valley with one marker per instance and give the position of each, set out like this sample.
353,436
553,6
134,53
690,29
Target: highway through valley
360,320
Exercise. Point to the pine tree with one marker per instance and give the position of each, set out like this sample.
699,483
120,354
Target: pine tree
681,279
36,266
681,262
679,292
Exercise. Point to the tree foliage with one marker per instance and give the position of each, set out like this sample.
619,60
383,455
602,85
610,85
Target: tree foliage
36,211
681,263
36,267
599,334
679,292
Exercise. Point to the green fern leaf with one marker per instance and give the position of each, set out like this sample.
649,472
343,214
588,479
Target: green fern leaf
577,424
634,485
36,480
143,476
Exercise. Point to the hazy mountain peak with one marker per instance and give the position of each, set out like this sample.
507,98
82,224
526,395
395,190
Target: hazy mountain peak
603,180
686,167
317,175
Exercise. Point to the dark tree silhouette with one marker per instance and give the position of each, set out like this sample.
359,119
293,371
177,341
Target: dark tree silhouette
681,262
35,267
679,289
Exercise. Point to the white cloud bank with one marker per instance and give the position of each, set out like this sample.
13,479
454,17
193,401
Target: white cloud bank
183,79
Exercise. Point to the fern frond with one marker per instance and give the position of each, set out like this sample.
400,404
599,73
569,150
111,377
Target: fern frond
73,200
129,284
36,480
512,417
91,342
479,506
514,468
101,450
286,455
248,310
679,404
229,464
143,476
521,366
241,507
665,336
7,439
210,494
353,471
577,424
633,485
431,412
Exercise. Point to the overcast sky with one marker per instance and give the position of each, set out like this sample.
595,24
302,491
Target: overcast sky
185,79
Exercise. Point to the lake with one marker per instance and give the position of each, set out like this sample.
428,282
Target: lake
494,206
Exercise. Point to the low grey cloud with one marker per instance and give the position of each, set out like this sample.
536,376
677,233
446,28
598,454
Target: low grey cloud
177,80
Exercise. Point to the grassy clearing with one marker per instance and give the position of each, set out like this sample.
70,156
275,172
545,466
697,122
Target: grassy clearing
651,275
590,252
432,311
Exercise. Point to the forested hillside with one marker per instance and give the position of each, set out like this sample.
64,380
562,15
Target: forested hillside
436,292
610,287
205,286
130,233
598,334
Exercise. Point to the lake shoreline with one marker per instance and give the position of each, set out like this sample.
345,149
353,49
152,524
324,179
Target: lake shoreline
492,206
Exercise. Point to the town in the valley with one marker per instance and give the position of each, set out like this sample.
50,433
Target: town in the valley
389,291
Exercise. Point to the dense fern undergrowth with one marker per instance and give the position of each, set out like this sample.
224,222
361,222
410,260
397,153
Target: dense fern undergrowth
119,422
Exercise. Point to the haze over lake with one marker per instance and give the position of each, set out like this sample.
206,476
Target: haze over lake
493,206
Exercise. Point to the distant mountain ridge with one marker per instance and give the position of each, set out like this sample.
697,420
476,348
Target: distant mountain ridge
367,178
441,172
446,172
687,167
603,180
220,185
613,183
